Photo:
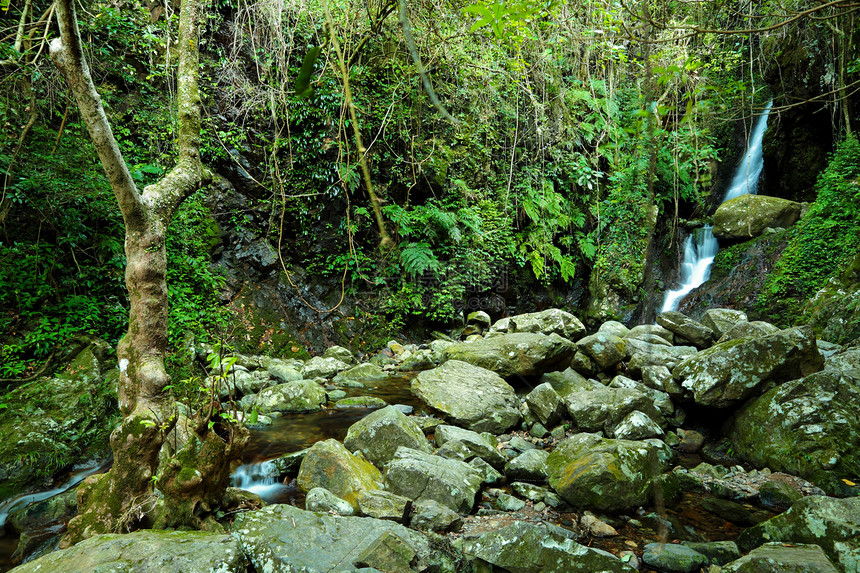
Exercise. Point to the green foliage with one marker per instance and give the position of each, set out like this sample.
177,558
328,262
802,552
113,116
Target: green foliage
822,242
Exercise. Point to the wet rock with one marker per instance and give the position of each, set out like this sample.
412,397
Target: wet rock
717,552
780,558
469,395
430,515
550,321
361,402
606,350
731,372
322,500
673,558
732,511
721,320
545,403
604,408
754,329
833,524
778,495
299,396
339,353
381,504
506,502
645,332
328,464
595,527
805,427
527,547
637,426
691,442
530,465
605,474
748,216
686,328
379,434
283,539
483,446
290,463
517,354
320,367
615,328
43,513
366,371
146,551
420,476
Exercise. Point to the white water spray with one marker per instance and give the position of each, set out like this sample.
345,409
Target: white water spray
260,478
701,247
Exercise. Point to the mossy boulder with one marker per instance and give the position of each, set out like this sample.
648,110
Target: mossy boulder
528,547
379,434
834,311
552,320
779,557
807,427
590,471
605,349
686,329
517,354
470,444
602,409
422,476
328,464
298,396
833,524
146,551
720,320
730,372
748,216
469,395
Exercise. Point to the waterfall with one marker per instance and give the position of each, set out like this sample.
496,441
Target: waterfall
16,503
701,247
260,478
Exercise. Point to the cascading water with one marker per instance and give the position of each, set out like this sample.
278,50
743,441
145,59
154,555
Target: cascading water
260,478
701,247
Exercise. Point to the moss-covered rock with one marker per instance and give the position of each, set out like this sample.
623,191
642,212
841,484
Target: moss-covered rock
552,320
298,396
517,354
748,216
806,427
606,350
780,557
379,434
733,371
610,475
328,464
421,476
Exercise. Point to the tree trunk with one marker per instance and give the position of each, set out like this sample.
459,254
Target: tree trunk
125,497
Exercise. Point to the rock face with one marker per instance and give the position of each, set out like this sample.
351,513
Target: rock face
285,539
833,524
146,551
748,216
552,320
610,475
808,427
728,373
469,395
518,354
299,396
379,434
526,547
328,464
419,476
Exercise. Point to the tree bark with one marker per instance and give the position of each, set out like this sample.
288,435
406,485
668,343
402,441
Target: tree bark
125,497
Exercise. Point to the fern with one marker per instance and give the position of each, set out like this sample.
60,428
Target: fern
418,258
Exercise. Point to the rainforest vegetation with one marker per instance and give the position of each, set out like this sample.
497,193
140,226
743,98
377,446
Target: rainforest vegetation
369,169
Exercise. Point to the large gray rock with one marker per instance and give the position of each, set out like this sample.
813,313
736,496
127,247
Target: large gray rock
646,331
477,445
548,321
641,354
754,329
528,548
808,427
748,216
328,464
322,500
430,515
469,395
545,403
283,372
366,371
285,539
421,476
685,328
614,327
529,465
517,354
661,399
721,320
145,551
733,371
606,350
569,381
321,367
610,475
673,558
782,558
380,433
637,426
833,524
299,396
602,409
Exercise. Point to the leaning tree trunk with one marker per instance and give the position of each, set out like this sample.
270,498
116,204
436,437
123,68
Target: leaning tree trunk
194,479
